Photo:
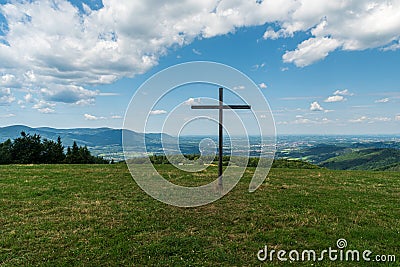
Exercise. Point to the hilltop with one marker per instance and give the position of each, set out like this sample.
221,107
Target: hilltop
77,215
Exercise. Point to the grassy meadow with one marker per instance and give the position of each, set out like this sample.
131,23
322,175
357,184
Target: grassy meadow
96,215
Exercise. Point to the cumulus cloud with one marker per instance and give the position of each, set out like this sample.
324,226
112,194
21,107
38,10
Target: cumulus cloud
347,25
9,80
397,118
6,96
28,98
70,94
315,106
336,98
52,42
44,107
158,112
311,51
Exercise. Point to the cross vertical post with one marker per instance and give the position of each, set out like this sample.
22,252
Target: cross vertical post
220,108
220,137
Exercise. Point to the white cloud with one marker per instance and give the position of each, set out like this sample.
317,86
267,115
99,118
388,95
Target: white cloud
382,119
347,25
6,96
70,94
197,52
365,119
304,121
7,116
397,118
326,121
51,42
361,119
192,101
28,98
383,100
239,87
9,80
158,112
344,92
259,66
393,47
44,107
90,117
108,94
315,106
336,98
263,86
311,51
46,110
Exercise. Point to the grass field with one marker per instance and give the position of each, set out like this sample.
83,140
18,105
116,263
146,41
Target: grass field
96,215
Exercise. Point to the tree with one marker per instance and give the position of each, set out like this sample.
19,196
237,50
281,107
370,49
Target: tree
30,149
53,153
73,156
5,152
27,149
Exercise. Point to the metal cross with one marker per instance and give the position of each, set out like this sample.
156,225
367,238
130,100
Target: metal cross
221,107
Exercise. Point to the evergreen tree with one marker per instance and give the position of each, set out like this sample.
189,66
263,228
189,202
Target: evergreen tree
53,153
5,152
27,149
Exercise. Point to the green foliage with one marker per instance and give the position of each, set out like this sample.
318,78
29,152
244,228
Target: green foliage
27,149
374,159
293,164
30,149
5,152
53,152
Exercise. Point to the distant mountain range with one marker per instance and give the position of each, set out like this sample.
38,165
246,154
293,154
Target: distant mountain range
333,152
97,139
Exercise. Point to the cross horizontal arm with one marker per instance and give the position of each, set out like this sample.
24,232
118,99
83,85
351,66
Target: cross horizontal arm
223,107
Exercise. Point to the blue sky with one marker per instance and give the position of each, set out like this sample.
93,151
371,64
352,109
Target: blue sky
325,68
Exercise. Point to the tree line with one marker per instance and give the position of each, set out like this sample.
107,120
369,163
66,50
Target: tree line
31,149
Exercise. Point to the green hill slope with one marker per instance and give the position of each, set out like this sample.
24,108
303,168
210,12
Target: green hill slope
96,215
366,159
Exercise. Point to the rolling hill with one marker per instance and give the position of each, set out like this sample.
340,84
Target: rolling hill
91,137
379,159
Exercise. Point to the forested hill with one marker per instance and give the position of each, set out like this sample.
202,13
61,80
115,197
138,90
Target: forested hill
91,137
377,159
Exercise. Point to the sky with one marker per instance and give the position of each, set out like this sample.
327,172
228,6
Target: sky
325,67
